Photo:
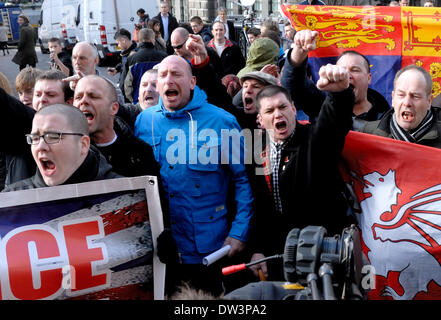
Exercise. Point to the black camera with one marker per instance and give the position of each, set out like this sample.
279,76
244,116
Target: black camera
309,252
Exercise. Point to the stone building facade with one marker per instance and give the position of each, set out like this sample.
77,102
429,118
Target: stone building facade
207,9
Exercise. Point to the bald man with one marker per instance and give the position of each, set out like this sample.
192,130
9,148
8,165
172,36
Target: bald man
196,186
85,60
179,38
96,97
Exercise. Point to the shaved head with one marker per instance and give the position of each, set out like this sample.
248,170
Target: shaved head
75,118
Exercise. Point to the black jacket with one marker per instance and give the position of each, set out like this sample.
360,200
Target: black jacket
172,25
231,57
308,98
128,155
94,167
120,67
15,122
382,128
26,46
309,181
66,59
146,53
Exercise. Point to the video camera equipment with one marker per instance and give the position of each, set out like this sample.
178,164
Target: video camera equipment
309,252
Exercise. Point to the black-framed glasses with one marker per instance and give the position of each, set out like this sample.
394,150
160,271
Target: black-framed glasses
178,47
48,137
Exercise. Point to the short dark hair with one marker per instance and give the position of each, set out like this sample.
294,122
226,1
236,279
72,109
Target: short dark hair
271,91
76,119
254,31
426,75
140,10
25,18
196,19
186,26
218,21
57,75
367,63
270,34
270,24
123,33
57,40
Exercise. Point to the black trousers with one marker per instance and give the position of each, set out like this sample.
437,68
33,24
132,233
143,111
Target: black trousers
22,66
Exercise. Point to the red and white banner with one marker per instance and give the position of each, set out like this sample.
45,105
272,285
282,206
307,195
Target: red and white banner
398,188
92,240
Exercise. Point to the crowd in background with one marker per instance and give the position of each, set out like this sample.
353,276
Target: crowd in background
179,83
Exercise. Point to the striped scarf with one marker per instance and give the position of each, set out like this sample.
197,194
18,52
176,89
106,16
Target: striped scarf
414,135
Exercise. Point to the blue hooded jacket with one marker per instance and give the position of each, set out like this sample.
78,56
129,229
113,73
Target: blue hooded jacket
192,146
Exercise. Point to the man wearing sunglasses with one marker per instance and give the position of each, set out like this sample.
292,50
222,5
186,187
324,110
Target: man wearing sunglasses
179,38
60,146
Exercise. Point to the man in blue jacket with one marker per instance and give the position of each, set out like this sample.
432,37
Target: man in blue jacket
191,140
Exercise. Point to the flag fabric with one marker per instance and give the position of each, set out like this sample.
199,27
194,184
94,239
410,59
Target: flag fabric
97,245
390,37
397,187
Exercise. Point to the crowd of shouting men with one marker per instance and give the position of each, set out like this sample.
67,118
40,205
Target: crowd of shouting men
219,185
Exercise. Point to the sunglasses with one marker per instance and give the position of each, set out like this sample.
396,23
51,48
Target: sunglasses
178,47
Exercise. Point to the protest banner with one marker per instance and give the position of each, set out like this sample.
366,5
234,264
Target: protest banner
390,37
91,240
396,186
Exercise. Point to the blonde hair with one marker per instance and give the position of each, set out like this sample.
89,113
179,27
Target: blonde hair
26,78
186,292
4,83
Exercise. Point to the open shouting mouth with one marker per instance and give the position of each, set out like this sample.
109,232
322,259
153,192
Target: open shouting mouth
407,116
47,166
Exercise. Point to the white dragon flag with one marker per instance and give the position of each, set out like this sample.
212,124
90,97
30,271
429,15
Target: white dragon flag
398,209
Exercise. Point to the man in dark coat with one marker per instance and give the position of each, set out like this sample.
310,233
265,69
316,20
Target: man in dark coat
413,118
369,105
197,25
298,183
230,31
230,54
60,146
129,156
168,24
60,58
128,47
146,53
26,54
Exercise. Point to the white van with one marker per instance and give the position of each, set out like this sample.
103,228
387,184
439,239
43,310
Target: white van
103,18
59,19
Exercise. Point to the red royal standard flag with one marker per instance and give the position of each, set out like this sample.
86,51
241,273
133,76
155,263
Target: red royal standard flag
390,37
397,186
